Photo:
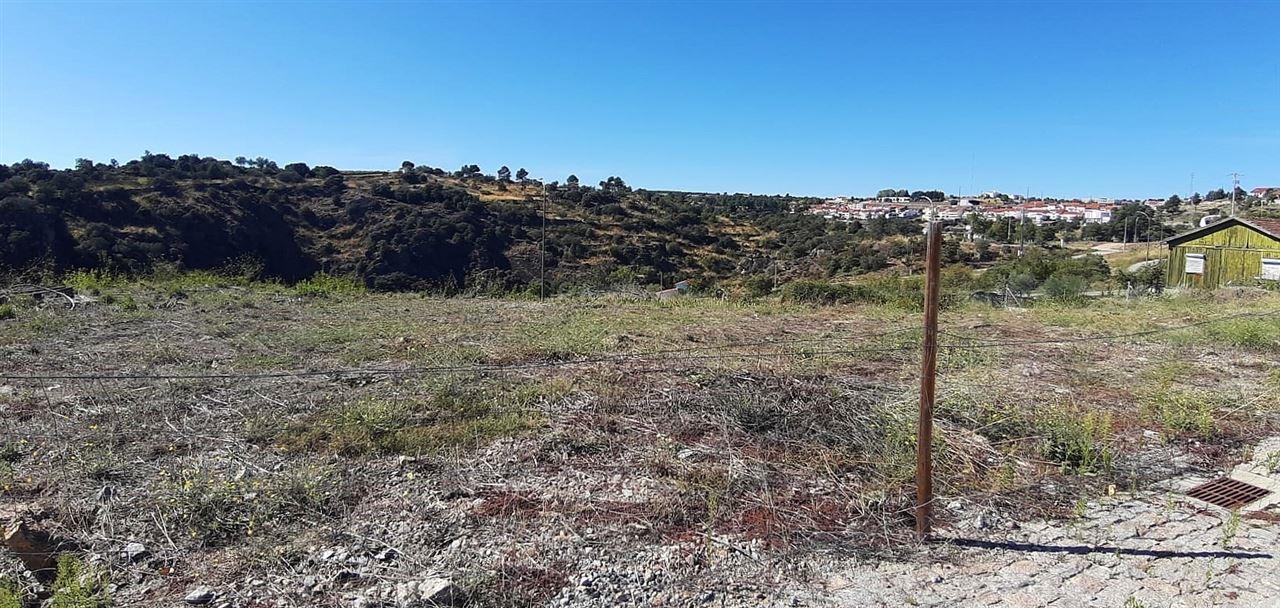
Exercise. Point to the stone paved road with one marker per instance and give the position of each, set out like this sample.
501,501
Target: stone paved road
1150,550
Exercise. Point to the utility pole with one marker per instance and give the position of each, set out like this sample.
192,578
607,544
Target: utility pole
542,248
1235,185
1022,230
928,381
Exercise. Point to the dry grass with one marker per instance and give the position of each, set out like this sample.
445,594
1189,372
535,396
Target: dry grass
807,449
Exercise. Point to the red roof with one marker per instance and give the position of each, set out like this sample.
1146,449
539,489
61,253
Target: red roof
1271,226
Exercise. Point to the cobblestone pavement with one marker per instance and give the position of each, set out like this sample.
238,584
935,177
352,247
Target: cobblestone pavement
1151,549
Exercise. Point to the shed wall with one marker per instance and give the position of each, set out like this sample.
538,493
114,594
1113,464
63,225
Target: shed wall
1232,256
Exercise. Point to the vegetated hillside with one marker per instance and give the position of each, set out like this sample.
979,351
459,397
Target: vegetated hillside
416,228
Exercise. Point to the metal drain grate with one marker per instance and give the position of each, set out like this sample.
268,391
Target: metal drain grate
1227,493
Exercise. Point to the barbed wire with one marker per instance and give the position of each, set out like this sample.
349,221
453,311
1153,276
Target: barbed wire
976,342
650,356
482,367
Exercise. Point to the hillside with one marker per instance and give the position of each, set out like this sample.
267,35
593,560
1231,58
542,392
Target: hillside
418,228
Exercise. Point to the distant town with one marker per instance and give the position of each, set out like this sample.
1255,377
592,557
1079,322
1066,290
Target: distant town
995,205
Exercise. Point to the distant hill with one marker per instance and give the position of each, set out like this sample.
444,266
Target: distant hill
416,228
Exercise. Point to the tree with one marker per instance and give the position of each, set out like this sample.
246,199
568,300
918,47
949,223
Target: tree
1173,204
936,196
571,181
1216,195
406,166
334,184
1195,199
886,193
300,168
522,175
242,161
614,185
504,174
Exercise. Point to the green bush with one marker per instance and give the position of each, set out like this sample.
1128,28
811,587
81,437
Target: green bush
1183,412
1065,286
906,293
91,281
1262,335
1150,278
10,596
323,285
1023,274
820,292
757,286
7,312
78,586
1079,442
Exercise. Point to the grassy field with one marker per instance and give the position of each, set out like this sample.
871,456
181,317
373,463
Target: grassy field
239,430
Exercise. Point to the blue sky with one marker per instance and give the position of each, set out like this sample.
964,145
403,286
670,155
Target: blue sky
1080,99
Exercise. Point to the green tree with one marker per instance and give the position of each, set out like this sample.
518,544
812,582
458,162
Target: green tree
1195,199
504,174
1173,204
406,166
572,181
522,175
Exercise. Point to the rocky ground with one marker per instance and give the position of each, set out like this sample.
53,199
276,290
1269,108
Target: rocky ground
512,453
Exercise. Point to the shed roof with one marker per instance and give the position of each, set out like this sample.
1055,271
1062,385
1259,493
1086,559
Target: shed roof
1270,228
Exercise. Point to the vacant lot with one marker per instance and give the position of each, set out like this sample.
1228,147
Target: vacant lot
318,445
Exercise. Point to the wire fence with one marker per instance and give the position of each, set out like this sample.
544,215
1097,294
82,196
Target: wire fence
691,353
97,424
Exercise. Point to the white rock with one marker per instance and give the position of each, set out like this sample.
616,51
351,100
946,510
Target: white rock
199,596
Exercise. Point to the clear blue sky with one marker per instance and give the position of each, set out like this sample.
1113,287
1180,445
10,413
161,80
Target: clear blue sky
1084,99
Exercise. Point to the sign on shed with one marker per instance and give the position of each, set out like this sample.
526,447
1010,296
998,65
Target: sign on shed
1195,263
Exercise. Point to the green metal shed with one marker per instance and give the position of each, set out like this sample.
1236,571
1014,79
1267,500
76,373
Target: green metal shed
1234,251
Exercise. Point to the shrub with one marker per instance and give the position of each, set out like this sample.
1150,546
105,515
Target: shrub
1254,334
454,415
1183,412
126,303
1065,287
819,292
215,507
91,281
1079,442
1150,278
10,596
7,312
906,293
78,586
757,286
323,285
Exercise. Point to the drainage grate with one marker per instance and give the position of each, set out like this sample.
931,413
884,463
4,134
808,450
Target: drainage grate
1227,493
